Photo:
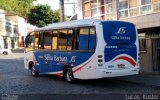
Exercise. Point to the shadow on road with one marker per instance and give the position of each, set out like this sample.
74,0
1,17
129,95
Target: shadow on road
103,82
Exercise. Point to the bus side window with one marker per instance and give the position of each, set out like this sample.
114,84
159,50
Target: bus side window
83,38
92,39
36,40
40,41
70,40
62,40
47,40
54,40
30,42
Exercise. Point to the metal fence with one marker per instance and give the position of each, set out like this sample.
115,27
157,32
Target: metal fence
155,44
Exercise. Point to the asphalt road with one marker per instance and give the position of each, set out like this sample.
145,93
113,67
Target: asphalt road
14,79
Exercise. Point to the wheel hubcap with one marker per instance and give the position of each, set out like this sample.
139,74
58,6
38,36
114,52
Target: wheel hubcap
69,75
33,71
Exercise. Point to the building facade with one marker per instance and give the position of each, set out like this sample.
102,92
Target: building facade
8,32
13,30
144,13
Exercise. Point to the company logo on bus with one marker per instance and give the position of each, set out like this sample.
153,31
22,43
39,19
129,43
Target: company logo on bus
121,30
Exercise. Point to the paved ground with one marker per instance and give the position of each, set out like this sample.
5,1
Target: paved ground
14,79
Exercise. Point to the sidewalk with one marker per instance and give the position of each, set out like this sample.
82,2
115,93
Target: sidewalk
146,79
18,50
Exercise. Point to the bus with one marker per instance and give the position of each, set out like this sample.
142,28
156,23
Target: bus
83,49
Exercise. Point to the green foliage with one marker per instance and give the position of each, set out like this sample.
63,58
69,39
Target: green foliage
56,16
42,15
19,7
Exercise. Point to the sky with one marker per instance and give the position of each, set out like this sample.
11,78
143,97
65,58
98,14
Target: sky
69,8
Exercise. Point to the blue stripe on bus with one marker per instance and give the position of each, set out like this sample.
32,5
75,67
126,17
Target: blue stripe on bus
50,61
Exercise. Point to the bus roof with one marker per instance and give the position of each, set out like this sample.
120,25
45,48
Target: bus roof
68,24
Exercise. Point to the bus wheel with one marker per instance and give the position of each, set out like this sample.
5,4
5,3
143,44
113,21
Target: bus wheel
69,75
33,71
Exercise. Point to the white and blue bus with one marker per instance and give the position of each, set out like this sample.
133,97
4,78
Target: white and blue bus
83,49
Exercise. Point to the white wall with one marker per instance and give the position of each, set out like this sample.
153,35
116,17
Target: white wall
2,24
22,26
1,42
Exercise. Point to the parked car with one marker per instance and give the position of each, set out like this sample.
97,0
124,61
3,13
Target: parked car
5,51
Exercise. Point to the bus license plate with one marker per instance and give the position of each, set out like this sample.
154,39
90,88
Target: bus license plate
121,66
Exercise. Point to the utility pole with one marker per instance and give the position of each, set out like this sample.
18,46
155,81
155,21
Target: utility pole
61,2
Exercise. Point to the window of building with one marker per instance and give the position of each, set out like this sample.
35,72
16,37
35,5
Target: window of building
146,6
100,2
47,40
100,10
15,29
134,7
146,9
156,5
86,6
134,3
123,14
54,39
142,42
94,8
87,13
62,40
108,1
94,12
123,4
144,2
134,11
155,1
103,10
108,6
8,27
123,8
5,43
93,3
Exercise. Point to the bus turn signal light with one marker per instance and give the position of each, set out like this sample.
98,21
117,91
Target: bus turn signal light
99,56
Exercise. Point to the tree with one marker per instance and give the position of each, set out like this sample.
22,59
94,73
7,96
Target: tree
24,7
42,15
19,7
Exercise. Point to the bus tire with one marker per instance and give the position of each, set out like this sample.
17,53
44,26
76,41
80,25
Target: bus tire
69,75
33,71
